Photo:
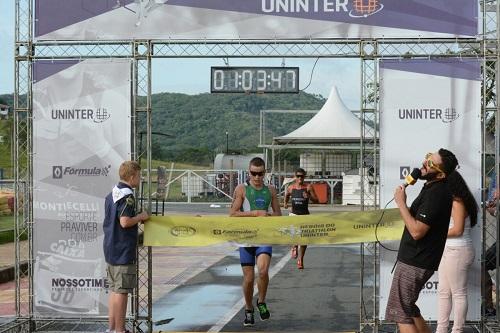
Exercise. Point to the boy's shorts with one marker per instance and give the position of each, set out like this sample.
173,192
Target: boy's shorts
122,279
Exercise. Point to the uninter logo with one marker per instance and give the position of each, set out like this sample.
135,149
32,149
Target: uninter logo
98,115
365,8
446,115
58,171
355,8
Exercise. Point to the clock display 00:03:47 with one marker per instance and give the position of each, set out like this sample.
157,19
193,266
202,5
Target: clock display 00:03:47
254,79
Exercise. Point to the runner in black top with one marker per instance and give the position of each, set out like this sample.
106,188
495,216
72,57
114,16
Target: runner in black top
300,193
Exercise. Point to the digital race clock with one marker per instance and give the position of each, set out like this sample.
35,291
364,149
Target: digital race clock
254,80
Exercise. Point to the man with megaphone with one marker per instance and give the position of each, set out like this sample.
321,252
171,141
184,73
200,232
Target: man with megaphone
423,240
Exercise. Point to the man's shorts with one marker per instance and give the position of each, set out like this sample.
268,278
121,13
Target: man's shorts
122,279
407,283
248,254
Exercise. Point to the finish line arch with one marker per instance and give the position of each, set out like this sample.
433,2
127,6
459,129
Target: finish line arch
142,51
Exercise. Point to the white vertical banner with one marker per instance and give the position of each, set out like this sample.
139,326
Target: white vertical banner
426,105
81,134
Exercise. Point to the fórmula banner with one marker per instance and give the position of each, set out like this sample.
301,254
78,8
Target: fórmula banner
426,105
81,135
253,19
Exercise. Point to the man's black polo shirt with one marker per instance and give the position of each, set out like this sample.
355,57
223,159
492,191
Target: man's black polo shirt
432,207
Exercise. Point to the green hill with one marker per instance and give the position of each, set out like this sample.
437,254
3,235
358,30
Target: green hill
198,123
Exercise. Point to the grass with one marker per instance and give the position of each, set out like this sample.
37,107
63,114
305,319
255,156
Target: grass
8,236
7,229
7,222
184,166
5,148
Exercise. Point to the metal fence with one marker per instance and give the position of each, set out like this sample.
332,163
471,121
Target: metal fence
190,186
217,186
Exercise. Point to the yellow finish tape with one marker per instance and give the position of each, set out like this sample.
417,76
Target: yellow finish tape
330,228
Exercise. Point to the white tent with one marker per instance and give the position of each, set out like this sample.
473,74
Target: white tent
334,123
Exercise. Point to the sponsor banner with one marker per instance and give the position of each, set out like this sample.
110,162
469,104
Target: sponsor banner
426,105
253,19
334,228
81,134
67,285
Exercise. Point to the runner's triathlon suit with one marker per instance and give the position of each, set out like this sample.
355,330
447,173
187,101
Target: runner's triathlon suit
300,205
255,200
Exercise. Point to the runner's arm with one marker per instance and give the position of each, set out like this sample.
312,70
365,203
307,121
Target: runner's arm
274,202
312,193
287,196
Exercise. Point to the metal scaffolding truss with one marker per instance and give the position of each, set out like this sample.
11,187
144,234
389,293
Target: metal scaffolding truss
142,52
393,48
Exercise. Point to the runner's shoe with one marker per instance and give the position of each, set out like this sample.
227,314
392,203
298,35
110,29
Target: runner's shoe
249,320
300,264
263,311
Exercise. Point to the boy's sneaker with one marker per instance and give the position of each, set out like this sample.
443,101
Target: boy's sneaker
263,311
249,320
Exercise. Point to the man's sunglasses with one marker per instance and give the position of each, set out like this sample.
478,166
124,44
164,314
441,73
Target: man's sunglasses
299,176
257,173
431,164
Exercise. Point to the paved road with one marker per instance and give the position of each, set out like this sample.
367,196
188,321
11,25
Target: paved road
322,297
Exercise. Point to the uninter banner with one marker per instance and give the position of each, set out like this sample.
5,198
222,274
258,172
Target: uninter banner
81,134
253,19
333,228
426,105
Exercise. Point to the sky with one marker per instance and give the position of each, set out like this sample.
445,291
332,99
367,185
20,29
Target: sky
7,47
192,76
